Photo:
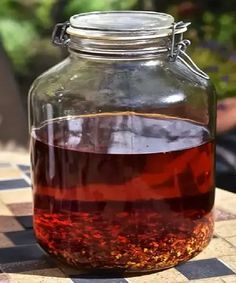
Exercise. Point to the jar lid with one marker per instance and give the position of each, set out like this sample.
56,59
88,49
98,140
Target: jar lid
117,25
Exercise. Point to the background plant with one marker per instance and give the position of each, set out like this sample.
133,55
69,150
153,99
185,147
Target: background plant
26,25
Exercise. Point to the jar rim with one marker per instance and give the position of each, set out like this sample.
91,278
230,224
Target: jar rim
125,25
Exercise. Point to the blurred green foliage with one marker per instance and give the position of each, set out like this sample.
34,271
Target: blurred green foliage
221,69
75,6
216,53
213,33
26,26
17,38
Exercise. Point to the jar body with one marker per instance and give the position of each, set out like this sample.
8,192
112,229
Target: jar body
122,162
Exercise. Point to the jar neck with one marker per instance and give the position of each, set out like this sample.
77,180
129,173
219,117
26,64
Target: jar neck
132,47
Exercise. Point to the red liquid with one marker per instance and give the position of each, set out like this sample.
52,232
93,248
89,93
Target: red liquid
130,192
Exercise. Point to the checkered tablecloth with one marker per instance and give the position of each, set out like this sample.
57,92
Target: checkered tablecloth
22,260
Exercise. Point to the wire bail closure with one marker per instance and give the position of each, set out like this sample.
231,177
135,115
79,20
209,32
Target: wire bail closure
59,35
176,50
182,44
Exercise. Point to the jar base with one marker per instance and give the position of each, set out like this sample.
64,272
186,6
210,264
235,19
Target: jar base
114,272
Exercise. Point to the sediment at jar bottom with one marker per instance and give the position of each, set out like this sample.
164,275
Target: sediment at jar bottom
131,240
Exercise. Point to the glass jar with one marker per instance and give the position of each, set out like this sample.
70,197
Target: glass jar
122,145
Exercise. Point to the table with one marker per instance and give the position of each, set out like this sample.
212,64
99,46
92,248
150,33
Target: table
22,260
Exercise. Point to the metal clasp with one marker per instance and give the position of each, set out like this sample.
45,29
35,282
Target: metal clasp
177,50
59,35
182,43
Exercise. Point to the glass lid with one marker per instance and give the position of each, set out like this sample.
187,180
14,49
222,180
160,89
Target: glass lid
121,25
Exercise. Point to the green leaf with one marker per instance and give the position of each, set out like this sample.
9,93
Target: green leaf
227,29
75,6
208,18
43,12
17,38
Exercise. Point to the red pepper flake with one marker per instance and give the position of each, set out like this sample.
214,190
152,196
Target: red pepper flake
91,242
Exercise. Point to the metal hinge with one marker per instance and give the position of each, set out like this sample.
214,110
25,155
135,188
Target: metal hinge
174,47
59,35
177,51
